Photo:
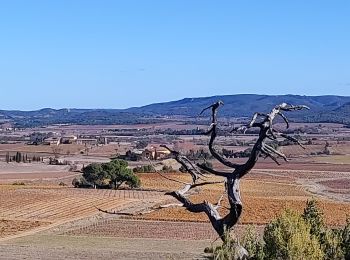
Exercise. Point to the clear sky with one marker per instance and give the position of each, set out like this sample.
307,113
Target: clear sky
117,54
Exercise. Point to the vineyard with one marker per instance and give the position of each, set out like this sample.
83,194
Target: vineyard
127,228
275,190
255,210
47,206
27,207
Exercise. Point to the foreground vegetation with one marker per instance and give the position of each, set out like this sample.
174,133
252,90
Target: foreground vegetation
291,236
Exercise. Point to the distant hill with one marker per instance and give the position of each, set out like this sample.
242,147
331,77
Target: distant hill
47,116
245,105
323,109
338,115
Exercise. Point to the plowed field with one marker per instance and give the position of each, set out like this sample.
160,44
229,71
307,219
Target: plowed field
23,208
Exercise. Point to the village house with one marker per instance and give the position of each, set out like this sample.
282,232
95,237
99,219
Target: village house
159,153
52,141
152,153
68,139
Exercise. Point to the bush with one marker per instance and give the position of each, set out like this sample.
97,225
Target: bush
167,169
330,240
289,237
314,216
345,236
81,183
253,244
18,183
144,168
331,244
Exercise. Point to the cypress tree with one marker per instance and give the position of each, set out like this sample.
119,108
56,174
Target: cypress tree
18,157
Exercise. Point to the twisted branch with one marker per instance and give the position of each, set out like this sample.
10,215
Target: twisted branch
260,120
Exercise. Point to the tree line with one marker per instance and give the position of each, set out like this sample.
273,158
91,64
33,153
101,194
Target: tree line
19,157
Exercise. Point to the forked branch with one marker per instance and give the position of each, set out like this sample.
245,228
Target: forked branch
232,179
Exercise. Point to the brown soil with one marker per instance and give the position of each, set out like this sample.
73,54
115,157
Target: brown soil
10,227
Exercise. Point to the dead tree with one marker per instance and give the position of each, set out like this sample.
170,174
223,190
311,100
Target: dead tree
231,177
264,122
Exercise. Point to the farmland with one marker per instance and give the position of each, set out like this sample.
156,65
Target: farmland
28,207
266,194
40,208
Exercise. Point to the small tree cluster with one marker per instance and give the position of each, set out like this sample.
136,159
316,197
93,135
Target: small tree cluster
109,175
144,168
233,154
198,155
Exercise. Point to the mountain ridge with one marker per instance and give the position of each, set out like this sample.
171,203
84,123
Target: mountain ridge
327,108
242,104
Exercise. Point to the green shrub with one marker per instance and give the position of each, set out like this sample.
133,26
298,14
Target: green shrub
289,237
167,169
330,240
253,244
81,183
314,216
345,233
331,244
144,168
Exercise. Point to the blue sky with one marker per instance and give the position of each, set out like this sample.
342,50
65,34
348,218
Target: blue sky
117,54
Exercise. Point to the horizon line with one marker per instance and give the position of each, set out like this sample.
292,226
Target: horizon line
169,101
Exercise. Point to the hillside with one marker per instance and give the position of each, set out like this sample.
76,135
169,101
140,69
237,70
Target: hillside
243,105
323,109
338,115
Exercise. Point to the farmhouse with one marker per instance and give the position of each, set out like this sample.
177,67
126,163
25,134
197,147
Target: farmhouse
155,153
52,141
152,153
159,153
68,139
